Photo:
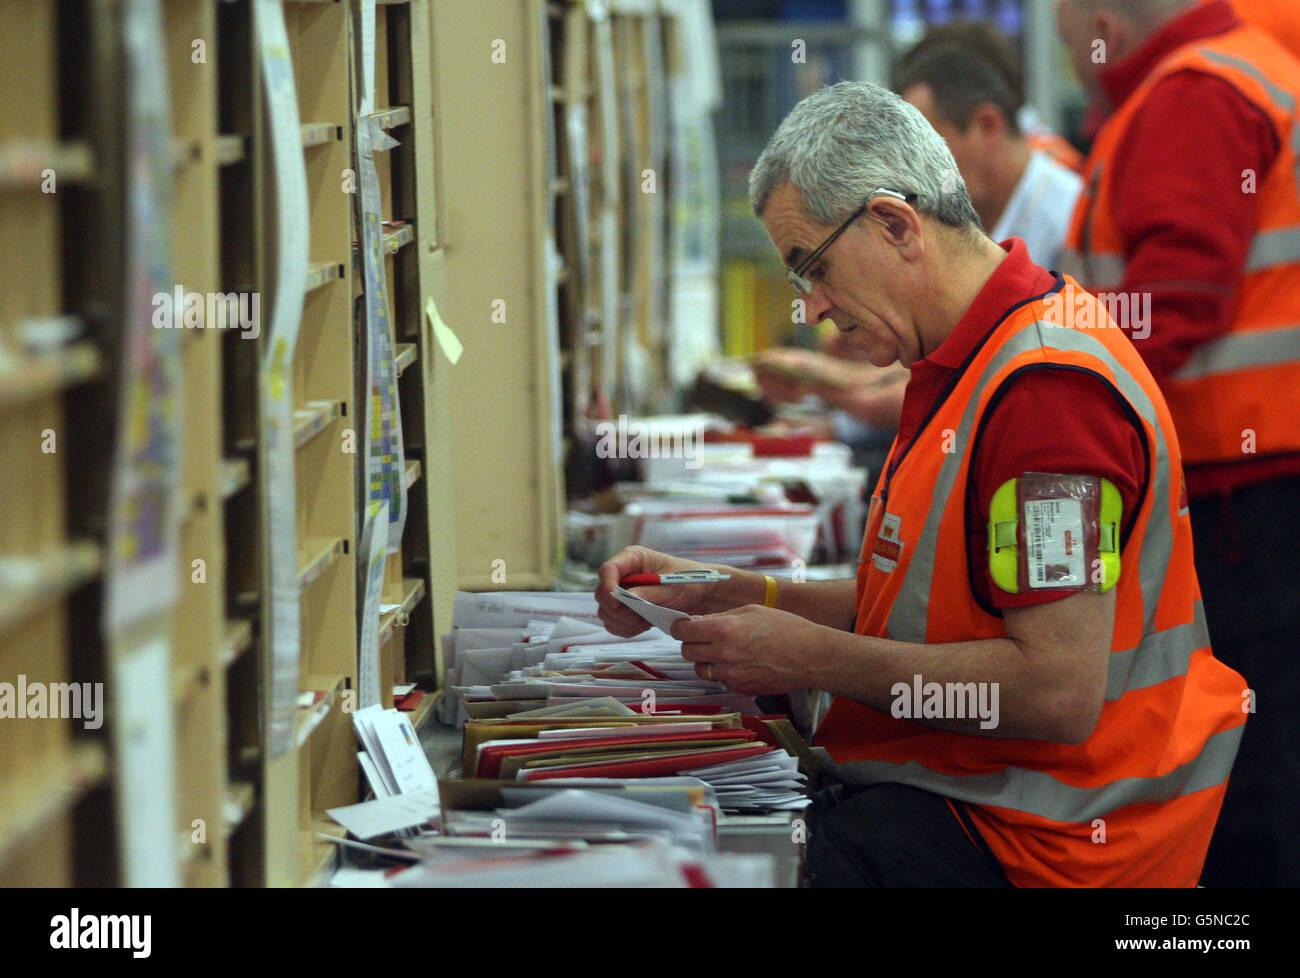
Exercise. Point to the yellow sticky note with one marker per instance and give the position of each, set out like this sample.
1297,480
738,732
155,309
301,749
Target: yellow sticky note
446,338
278,365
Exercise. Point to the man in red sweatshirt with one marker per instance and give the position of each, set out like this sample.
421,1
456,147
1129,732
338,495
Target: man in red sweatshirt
1192,204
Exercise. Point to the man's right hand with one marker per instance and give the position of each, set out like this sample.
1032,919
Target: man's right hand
784,375
871,394
694,599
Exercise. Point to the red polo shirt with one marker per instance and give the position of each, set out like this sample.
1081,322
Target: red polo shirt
1180,211
1048,421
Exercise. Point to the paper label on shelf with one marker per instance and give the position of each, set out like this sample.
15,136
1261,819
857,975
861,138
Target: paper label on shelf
144,760
385,454
292,235
451,346
373,541
142,575
366,38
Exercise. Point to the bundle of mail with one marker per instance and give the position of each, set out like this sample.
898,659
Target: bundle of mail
654,831
743,503
588,760
641,865
651,832
545,693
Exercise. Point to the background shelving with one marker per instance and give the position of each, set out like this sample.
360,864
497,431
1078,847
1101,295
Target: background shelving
520,227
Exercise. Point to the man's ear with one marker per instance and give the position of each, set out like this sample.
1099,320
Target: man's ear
1116,33
987,120
899,220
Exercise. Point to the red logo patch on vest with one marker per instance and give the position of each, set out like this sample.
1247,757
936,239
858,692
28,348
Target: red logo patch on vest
888,548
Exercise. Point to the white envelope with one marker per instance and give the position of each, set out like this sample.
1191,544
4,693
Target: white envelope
482,667
656,615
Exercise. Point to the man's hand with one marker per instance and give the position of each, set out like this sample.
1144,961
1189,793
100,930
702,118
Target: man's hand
691,598
785,375
871,394
752,649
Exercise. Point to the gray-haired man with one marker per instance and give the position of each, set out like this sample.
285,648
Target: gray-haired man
862,199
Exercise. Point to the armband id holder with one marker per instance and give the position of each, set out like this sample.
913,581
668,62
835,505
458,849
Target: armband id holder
1055,531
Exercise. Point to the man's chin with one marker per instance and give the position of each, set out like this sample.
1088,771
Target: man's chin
879,356
867,345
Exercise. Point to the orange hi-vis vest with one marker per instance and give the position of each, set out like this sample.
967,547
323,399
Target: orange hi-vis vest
1233,398
1278,18
1058,148
1135,803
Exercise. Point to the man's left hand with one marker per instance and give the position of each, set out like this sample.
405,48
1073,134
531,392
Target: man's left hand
752,649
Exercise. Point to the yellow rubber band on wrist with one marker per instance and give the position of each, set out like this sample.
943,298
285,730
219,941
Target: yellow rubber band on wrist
769,597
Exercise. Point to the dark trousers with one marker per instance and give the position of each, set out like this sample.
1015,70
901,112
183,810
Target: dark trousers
894,835
1248,562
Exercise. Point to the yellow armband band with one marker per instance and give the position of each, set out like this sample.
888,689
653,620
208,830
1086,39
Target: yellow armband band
1006,567
769,596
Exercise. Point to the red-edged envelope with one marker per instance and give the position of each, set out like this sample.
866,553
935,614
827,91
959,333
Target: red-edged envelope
410,701
660,767
490,756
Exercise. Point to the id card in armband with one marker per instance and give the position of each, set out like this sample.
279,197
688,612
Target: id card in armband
1054,531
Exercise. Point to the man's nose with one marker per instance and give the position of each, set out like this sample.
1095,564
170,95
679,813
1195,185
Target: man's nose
816,306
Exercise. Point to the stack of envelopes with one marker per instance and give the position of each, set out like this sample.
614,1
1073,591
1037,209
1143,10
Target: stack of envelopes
734,755
546,693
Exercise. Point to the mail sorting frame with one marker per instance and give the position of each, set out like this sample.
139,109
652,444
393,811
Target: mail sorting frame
219,155
319,769
52,772
608,93
638,38
208,804
284,847
402,108
493,248
327,769
88,40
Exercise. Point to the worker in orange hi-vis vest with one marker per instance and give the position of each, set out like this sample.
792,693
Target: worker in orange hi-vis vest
1281,18
1023,691
1198,213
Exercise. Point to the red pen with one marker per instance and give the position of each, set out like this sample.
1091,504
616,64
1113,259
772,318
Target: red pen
678,577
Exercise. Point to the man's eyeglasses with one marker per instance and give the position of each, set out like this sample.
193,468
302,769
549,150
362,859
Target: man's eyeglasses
797,275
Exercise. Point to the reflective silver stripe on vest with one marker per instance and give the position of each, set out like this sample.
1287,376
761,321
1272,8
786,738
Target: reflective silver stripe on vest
1271,249
1283,99
907,617
1071,264
1104,268
1242,351
1268,249
1094,269
1165,655
1039,793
